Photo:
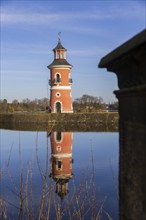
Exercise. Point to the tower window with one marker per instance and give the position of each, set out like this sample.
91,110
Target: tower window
58,79
58,148
58,164
58,136
58,107
58,94
58,55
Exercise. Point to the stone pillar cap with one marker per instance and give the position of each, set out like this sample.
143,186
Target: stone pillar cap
129,45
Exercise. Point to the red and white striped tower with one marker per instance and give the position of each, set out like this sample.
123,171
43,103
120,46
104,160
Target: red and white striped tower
60,81
61,161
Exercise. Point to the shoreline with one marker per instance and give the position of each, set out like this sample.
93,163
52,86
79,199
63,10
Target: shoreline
103,121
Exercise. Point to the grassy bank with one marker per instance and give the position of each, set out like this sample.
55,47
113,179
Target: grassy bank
63,121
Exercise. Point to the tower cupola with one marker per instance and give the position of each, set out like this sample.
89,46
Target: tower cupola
59,51
59,56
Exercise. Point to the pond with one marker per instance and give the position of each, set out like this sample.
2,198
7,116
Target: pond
59,175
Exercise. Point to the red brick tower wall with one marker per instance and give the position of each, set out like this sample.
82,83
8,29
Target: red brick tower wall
61,149
61,92
60,82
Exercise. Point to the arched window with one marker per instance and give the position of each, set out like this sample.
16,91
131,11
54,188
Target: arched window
58,55
58,136
59,164
58,79
58,107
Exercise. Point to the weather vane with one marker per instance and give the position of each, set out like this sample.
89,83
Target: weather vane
59,36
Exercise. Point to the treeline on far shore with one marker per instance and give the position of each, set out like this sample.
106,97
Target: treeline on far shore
86,103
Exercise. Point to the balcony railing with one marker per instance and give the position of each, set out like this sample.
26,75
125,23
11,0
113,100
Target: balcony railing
55,81
58,81
70,81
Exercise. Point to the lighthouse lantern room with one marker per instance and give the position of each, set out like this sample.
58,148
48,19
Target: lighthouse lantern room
60,81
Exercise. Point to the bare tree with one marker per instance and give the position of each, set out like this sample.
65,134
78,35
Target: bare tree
88,103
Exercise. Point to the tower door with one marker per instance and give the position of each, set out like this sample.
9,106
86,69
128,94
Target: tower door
58,107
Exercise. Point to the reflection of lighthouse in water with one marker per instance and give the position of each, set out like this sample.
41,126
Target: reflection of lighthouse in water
61,161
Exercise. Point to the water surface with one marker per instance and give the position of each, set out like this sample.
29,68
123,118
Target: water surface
63,174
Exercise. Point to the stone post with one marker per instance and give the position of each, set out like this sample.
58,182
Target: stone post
128,62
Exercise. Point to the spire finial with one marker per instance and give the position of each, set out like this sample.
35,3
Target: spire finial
59,36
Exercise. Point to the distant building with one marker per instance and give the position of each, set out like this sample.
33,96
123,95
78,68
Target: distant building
61,161
60,82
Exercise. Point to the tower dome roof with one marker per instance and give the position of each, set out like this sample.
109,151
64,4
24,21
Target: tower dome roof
58,62
59,46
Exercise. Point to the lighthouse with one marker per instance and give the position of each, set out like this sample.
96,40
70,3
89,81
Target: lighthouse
60,81
61,161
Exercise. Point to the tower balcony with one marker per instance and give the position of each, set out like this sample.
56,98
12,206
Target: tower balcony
70,81
55,81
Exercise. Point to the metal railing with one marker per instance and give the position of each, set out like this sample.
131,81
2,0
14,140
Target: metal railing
59,81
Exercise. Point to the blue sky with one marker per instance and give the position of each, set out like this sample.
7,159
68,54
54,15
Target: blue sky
89,30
